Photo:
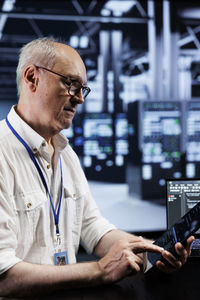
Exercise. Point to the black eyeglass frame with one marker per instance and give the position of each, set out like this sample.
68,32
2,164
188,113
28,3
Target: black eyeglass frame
85,89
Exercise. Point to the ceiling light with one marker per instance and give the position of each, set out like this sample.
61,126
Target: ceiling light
74,41
118,7
8,5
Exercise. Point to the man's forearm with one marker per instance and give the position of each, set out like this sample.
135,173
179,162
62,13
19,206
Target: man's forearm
25,279
109,239
120,258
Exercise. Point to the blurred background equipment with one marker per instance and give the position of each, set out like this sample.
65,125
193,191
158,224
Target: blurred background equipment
140,125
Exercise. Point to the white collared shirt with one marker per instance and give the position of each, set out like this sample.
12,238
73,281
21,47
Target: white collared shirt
27,228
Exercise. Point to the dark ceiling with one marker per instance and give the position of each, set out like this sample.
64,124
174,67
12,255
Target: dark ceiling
25,20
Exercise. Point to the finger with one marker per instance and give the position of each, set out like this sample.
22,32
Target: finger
144,246
188,244
172,260
184,250
135,258
131,256
165,268
135,264
181,252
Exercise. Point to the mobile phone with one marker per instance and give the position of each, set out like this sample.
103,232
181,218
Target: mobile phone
179,232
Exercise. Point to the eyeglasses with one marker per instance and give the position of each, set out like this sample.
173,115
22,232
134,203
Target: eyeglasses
73,87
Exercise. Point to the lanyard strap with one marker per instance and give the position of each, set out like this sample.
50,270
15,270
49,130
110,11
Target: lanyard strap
56,214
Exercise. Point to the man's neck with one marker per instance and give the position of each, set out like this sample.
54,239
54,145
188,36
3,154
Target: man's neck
39,129
28,116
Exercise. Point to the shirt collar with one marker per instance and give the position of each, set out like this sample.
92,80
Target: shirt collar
31,137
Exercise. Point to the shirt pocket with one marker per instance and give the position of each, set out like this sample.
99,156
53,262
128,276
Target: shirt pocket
74,202
74,199
30,211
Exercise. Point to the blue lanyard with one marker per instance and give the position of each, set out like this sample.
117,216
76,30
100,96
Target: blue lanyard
56,214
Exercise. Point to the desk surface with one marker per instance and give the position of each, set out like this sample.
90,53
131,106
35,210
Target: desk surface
155,285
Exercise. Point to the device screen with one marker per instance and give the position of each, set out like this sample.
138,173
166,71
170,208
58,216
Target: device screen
179,232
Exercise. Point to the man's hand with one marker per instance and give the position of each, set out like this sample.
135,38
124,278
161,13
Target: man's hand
123,258
175,263
122,255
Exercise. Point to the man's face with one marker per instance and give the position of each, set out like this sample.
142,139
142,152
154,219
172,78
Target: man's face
57,106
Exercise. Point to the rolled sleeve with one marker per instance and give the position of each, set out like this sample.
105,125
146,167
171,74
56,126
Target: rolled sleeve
94,226
8,234
7,260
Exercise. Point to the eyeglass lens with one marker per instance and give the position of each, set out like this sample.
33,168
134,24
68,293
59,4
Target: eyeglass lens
74,90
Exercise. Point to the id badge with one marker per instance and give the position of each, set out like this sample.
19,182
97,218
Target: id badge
61,258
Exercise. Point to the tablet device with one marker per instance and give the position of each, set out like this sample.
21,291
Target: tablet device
179,232
182,194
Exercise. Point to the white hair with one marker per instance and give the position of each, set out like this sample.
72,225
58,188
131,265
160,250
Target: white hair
41,51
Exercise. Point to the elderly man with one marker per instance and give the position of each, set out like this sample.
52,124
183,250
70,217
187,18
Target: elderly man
45,204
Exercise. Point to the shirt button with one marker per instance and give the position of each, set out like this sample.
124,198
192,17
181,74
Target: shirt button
43,144
34,149
74,196
48,166
29,205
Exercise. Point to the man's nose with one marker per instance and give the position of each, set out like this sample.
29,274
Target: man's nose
79,97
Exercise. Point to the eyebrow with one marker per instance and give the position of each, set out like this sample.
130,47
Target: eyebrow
70,76
75,77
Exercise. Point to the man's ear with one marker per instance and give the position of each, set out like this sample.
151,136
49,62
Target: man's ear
31,78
